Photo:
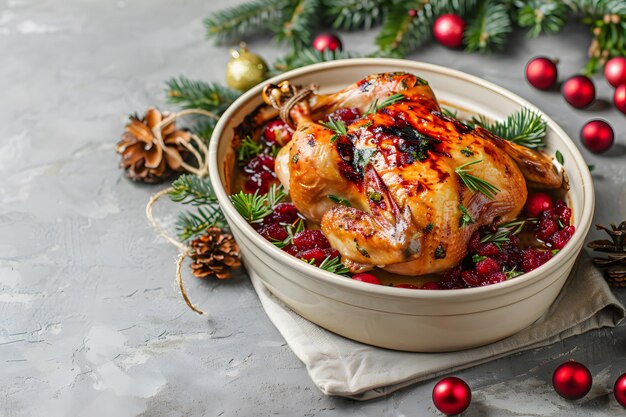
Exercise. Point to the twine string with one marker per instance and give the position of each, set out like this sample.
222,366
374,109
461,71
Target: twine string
201,170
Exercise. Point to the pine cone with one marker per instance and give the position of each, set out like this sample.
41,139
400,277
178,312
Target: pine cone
615,262
214,253
142,157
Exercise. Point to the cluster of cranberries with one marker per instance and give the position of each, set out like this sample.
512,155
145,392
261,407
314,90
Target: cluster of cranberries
260,169
309,245
490,262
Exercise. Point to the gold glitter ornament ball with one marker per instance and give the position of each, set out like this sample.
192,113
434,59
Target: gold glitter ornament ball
245,69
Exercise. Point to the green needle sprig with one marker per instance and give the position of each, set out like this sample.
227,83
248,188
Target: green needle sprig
524,127
248,149
474,183
334,265
375,106
255,207
466,218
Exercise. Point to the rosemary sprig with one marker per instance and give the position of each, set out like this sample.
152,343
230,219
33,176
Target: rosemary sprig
474,183
466,218
334,265
375,106
255,207
248,149
336,126
505,230
292,230
512,273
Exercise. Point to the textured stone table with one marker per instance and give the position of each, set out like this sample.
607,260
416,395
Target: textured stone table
91,321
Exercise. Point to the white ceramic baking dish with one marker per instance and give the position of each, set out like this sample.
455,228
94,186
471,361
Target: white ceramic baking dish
396,318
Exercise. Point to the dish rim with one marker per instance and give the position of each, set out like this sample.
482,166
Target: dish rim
585,216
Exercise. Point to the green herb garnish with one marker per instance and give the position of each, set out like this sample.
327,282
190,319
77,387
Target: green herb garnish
466,218
474,183
339,200
334,265
254,207
375,106
248,149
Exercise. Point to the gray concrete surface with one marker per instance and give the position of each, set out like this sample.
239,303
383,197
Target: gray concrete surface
91,323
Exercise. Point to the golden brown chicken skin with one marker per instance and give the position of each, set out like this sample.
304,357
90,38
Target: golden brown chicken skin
395,171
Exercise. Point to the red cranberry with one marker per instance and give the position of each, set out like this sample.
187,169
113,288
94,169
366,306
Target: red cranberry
560,238
291,250
274,232
474,243
431,285
346,115
365,277
277,131
407,286
537,203
284,213
260,164
488,249
260,182
533,259
452,278
546,228
315,255
310,239
564,212
471,278
494,278
487,266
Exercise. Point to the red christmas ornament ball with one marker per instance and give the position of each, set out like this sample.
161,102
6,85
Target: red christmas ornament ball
325,41
412,12
579,91
572,380
452,396
619,98
619,390
597,135
615,71
448,30
541,73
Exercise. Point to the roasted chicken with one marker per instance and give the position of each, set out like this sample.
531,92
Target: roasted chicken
389,192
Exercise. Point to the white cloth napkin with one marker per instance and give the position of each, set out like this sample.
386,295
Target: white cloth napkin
342,367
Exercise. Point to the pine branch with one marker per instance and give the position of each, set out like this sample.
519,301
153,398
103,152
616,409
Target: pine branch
356,14
190,94
191,189
542,16
255,207
490,28
308,56
334,265
237,22
190,224
402,33
204,128
524,127
299,24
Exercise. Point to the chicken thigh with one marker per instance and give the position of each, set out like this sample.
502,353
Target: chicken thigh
390,193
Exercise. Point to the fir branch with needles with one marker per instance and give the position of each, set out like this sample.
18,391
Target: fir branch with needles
192,94
307,56
524,127
255,207
542,16
356,14
474,183
190,224
501,235
191,189
239,21
490,28
301,21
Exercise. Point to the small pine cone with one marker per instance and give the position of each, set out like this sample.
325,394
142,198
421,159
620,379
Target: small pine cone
214,253
145,159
